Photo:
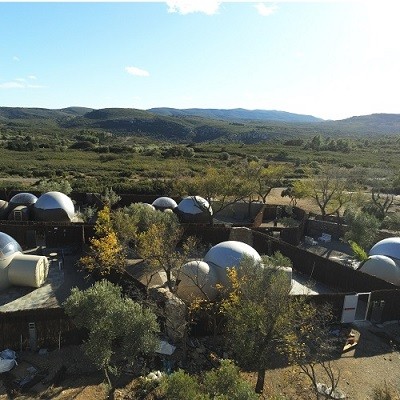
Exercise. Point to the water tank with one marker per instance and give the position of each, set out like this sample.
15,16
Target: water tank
28,270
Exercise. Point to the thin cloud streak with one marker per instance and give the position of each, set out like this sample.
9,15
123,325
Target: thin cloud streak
19,83
137,71
184,7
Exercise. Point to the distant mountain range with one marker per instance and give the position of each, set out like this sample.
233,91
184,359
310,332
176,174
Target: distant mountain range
192,125
236,114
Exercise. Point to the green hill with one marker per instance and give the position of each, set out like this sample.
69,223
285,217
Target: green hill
167,124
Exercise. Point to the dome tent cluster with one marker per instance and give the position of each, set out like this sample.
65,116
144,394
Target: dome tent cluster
50,206
384,261
189,209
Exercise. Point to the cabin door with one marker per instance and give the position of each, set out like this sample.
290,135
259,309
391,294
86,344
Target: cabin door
355,307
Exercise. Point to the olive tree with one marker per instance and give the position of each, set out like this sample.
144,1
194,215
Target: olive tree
258,312
362,228
111,318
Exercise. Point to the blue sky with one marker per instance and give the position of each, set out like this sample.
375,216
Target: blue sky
329,59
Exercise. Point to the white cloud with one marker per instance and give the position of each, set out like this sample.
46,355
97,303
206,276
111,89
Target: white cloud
19,83
136,71
12,85
208,7
15,58
265,10
32,77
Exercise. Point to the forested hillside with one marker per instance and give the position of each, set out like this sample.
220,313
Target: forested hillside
190,126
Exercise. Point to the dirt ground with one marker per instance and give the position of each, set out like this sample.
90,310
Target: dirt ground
66,374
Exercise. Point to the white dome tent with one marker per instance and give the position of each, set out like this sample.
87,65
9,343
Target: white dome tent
197,280
382,267
389,247
229,254
384,261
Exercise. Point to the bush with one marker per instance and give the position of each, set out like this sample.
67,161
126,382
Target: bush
82,145
363,228
224,156
182,386
391,222
225,383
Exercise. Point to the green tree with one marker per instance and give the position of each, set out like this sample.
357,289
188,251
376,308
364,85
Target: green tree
220,188
362,228
112,318
380,203
264,178
110,197
330,190
296,191
258,313
137,218
158,247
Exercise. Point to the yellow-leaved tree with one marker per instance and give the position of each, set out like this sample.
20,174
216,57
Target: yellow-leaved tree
106,253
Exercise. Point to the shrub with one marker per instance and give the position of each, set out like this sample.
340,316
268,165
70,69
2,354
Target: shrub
225,383
363,228
182,386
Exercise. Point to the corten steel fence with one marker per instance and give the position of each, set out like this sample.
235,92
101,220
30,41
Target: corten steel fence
52,329
320,269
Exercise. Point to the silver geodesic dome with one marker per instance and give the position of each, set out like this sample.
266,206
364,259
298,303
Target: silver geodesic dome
23,199
8,247
164,203
194,209
54,206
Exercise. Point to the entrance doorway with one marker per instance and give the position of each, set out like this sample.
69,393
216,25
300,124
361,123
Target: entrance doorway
355,307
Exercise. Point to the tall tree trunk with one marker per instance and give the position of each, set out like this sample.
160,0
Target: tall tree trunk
260,381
